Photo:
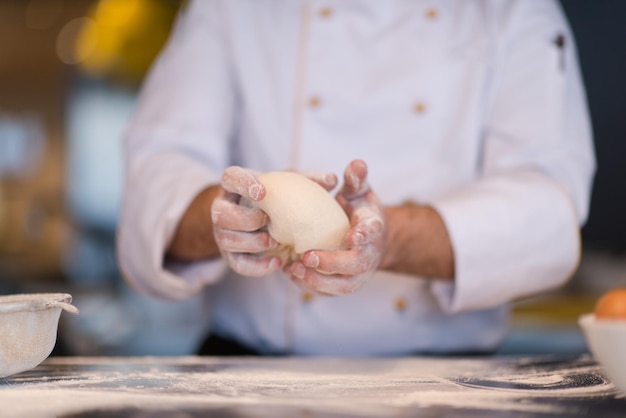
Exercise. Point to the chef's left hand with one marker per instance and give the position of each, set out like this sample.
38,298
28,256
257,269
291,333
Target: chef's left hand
344,271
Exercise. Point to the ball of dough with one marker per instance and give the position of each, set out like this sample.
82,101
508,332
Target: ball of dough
302,214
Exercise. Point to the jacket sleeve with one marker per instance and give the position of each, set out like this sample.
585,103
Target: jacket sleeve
515,231
176,145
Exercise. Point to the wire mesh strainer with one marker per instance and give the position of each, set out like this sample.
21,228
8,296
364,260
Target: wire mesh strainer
28,328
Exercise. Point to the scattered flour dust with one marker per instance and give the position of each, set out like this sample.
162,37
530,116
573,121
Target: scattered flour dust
374,387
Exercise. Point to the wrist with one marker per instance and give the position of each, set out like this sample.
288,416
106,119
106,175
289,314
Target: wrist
417,242
398,219
193,238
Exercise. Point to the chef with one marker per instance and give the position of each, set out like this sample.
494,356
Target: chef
456,132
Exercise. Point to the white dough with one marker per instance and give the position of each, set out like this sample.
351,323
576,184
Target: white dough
303,215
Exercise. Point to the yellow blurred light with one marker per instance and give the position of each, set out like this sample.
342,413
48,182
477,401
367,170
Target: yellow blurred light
119,13
67,38
128,34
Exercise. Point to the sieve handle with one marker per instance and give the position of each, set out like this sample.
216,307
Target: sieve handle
63,305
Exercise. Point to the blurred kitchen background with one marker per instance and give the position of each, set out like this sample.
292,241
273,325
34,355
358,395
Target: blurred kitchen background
69,74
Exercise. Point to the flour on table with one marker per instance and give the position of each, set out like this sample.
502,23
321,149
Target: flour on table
254,387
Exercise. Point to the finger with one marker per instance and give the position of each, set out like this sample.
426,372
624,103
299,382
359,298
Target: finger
352,262
227,214
252,265
355,180
297,278
243,242
350,203
367,225
243,182
327,180
327,284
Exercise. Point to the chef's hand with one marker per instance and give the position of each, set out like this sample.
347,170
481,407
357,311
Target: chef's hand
343,272
240,232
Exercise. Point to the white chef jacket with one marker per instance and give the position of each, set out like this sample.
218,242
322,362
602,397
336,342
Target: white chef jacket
474,107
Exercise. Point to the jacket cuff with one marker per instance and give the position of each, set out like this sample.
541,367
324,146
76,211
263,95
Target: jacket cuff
512,236
169,182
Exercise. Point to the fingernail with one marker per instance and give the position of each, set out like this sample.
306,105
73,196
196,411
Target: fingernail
215,216
299,271
254,191
312,260
356,182
274,264
359,238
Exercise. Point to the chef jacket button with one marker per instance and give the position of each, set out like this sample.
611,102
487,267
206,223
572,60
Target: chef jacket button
419,107
326,12
315,102
432,13
306,297
400,304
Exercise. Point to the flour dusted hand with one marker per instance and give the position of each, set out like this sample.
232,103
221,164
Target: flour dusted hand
342,272
262,221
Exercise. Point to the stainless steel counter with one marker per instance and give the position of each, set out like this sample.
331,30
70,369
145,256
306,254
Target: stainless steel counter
311,387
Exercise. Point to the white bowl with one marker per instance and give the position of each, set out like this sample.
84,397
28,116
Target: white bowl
607,342
28,329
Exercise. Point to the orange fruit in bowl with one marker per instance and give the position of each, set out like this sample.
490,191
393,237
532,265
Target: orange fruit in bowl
612,305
